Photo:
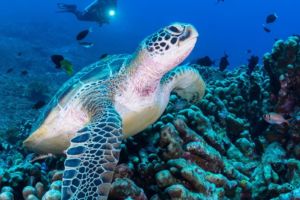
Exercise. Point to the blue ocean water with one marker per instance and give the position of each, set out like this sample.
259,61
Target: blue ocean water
240,141
231,26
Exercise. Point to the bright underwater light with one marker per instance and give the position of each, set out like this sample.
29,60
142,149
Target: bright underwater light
111,13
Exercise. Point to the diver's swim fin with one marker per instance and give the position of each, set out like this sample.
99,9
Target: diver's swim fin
66,7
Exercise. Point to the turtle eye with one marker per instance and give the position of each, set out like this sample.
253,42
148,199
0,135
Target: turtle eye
174,29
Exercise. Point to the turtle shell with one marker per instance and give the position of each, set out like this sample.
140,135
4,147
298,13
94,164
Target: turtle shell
102,70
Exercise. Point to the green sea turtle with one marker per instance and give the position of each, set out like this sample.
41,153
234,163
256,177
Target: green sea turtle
114,98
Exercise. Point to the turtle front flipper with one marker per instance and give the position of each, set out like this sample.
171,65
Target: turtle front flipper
186,82
92,157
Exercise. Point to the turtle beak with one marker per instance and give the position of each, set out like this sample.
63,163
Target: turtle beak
189,33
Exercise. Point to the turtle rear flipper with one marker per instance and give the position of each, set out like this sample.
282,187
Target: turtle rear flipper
92,157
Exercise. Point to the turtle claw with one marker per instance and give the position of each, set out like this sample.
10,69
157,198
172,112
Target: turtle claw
42,157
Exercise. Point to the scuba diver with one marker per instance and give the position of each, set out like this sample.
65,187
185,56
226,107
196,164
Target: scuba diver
99,11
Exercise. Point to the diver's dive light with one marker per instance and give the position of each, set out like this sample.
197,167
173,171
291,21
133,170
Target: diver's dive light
111,12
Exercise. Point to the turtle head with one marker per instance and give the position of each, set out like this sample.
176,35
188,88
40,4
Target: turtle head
168,47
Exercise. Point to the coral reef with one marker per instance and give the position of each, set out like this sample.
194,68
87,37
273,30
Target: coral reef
217,148
283,67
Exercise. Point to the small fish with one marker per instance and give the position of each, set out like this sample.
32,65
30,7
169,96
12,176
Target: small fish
252,62
266,29
61,63
10,70
297,35
24,72
56,59
223,62
249,51
271,18
103,56
19,54
205,61
67,66
82,34
86,44
275,118
39,104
